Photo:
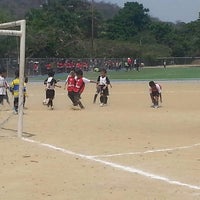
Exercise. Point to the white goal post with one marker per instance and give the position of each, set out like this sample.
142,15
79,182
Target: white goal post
22,34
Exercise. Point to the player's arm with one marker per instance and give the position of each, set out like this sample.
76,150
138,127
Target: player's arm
55,83
65,85
159,90
160,95
91,81
151,96
88,80
108,82
45,81
12,87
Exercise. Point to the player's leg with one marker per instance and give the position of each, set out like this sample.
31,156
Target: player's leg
77,101
51,95
1,99
95,97
16,100
96,94
105,93
71,96
80,104
156,100
6,97
105,100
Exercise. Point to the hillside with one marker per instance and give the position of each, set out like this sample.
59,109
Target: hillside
18,8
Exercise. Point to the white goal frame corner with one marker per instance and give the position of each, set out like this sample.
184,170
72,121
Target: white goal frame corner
22,34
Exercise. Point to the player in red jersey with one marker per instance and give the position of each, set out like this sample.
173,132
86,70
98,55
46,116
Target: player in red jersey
70,84
79,88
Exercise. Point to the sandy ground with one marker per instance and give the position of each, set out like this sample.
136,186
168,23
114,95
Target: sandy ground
126,150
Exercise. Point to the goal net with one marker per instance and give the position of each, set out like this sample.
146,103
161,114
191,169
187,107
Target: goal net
4,30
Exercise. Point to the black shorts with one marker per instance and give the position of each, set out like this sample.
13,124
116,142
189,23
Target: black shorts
155,94
50,94
77,96
103,91
1,98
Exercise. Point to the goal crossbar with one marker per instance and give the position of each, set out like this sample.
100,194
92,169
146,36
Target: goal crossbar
22,34
12,24
10,33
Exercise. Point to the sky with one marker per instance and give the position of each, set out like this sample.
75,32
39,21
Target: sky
168,10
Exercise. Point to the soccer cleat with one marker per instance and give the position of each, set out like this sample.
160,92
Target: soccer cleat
76,108
15,112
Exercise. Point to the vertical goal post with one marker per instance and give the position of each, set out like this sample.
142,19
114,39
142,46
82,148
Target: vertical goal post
22,34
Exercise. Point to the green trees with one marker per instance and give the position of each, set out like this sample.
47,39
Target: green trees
130,20
63,28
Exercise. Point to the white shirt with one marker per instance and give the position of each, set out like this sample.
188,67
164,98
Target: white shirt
2,86
102,80
85,80
50,83
158,89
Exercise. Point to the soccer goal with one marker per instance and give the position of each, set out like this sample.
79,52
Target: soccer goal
4,30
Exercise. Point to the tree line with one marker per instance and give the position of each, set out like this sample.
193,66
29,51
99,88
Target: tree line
78,29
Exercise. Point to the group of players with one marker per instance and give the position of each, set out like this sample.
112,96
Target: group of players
74,85
13,88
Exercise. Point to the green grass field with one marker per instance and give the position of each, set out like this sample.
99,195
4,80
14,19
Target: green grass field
177,73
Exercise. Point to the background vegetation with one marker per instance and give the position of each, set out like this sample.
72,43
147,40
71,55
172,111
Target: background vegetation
63,28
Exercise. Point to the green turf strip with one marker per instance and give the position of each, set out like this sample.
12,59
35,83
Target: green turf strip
177,73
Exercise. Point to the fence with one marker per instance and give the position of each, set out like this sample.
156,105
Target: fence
41,66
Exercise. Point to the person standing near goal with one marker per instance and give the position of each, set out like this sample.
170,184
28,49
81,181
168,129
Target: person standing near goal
155,93
3,85
14,88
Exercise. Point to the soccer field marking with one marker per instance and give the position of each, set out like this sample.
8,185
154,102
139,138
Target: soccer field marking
147,152
6,120
115,165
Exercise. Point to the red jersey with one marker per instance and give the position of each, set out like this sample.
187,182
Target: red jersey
35,67
79,86
71,83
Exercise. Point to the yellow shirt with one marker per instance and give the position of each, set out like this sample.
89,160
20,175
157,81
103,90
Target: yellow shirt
15,87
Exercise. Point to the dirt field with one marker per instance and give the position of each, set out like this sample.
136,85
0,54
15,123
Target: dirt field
124,151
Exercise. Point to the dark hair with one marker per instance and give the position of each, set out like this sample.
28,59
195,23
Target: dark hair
79,72
151,83
2,70
51,73
26,79
104,70
17,73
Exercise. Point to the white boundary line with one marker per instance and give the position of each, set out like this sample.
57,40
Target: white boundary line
115,165
5,120
146,152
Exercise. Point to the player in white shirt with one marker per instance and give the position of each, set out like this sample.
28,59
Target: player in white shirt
102,88
155,93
